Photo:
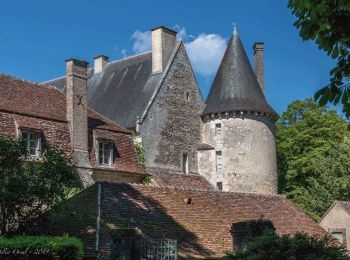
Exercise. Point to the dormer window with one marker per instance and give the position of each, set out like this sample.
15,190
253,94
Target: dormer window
32,142
105,153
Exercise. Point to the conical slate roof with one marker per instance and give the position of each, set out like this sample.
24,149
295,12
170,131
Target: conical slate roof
235,86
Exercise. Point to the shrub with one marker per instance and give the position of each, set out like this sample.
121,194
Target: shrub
31,247
270,246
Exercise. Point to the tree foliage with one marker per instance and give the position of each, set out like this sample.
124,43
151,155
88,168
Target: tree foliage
327,23
28,187
313,149
270,246
140,152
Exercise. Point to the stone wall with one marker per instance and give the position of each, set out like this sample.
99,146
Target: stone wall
248,151
173,124
337,219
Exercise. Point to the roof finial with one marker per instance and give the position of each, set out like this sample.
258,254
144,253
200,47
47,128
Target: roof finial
234,28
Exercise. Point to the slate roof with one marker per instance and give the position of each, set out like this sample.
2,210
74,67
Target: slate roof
235,87
123,90
32,99
200,221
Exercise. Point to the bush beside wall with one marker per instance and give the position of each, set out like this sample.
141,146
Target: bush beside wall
31,247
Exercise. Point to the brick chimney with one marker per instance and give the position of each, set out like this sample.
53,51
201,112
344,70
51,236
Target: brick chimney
76,76
163,44
100,63
259,64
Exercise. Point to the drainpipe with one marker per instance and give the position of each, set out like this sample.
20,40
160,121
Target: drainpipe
98,216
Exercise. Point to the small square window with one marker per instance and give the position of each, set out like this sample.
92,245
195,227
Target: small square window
32,142
217,129
339,236
219,161
105,153
219,185
185,163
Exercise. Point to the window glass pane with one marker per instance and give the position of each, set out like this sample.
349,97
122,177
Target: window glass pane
219,185
218,129
31,142
105,153
338,236
185,163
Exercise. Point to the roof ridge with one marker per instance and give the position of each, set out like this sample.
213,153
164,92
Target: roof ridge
20,79
45,82
36,84
164,74
130,57
169,187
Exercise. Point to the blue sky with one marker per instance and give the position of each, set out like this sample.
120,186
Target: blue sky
37,36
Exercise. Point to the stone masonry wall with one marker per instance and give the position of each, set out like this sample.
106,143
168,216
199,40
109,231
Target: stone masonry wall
248,151
338,219
173,124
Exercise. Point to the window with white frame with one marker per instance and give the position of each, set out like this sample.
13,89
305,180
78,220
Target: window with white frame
185,162
218,129
32,143
219,159
105,153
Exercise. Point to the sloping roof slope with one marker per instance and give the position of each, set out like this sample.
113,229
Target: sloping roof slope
235,86
345,205
200,221
32,99
123,90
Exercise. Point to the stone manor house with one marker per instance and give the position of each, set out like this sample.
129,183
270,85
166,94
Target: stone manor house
229,139
213,161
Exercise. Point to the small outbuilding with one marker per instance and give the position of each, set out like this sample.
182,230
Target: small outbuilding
200,221
336,221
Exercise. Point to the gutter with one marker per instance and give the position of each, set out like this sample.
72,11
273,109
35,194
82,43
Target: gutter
98,218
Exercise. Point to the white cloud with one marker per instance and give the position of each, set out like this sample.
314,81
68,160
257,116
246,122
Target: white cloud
143,41
124,53
205,51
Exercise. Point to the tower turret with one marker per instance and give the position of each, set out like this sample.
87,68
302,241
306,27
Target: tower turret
240,124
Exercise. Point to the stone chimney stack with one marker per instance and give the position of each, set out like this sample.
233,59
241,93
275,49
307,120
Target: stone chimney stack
76,76
259,64
100,63
163,44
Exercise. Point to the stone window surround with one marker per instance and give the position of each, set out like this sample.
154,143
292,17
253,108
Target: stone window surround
219,167
338,230
38,133
218,129
187,161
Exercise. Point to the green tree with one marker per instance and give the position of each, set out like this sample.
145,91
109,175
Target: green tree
313,150
270,246
327,23
29,187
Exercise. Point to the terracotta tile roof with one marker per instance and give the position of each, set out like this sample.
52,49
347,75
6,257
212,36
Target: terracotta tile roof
201,227
345,205
28,98
180,180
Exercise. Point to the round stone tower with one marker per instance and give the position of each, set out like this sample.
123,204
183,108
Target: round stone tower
238,152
